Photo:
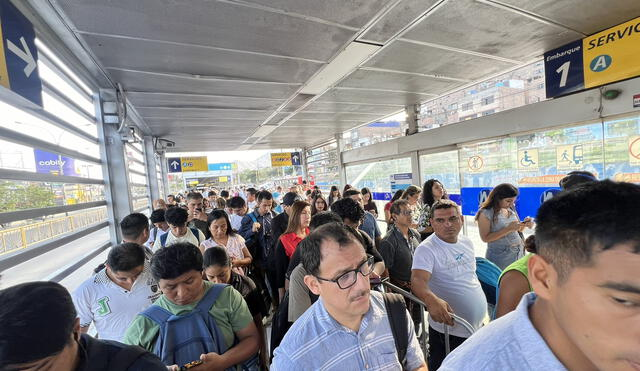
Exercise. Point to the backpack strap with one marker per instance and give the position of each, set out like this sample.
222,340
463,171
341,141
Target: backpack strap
210,297
253,217
196,233
396,312
157,314
126,357
163,239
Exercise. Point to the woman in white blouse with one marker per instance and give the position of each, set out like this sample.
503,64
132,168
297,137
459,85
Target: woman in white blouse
221,234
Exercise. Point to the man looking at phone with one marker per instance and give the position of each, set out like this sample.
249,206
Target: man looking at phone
444,277
197,216
229,337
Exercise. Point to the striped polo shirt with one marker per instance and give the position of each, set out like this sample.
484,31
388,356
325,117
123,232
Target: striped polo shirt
316,341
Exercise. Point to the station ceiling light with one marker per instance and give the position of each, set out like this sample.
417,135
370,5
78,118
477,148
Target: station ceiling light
345,62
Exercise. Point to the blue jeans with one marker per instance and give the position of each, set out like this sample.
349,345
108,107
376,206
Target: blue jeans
503,256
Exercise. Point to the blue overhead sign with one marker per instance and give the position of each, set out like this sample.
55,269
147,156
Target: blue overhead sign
174,164
18,54
563,69
221,166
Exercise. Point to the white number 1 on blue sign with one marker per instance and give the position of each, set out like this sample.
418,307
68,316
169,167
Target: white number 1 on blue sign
564,70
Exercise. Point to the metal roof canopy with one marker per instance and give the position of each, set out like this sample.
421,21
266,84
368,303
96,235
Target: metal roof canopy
208,73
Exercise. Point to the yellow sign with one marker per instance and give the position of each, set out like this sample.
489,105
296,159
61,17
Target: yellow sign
569,157
281,159
528,159
194,163
4,74
612,55
634,150
223,179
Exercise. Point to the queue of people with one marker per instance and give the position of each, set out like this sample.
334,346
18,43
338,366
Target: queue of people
196,286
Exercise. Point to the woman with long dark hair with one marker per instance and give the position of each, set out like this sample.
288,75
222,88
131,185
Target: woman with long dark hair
334,195
369,204
432,191
221,234
297,230
500,226
319,204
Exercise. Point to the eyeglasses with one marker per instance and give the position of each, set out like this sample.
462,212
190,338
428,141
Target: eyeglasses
349,278
405,213
452,220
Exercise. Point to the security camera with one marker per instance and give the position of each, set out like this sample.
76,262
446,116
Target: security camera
166,143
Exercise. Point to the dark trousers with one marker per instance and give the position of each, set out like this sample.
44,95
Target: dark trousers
437,351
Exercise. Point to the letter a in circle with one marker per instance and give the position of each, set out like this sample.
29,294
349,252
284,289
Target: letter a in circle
600,63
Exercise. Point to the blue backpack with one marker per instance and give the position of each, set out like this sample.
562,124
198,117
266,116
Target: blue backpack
488,274
182,339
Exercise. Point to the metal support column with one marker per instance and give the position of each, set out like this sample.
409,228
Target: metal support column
150,162
165,174
305,170
415,169
114,167
341,169
412,118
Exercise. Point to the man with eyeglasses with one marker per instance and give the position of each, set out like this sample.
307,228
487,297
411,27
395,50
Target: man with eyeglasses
348,328
444,277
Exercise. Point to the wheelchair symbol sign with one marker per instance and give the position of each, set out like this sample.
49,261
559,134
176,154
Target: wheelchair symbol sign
528,159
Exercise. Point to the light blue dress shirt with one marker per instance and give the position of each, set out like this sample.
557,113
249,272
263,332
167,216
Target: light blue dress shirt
316,341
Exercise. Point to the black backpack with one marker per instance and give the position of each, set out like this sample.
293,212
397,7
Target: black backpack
397,313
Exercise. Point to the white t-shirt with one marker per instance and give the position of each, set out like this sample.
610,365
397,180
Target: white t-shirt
453,279
188,237
109,306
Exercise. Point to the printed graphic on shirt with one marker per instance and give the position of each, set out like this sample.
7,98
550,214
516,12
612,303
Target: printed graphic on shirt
104,306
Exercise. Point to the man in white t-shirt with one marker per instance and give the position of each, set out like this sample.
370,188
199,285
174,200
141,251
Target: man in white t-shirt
443,276
176,218
117,293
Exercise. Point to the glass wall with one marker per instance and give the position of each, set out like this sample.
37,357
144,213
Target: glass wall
377,177
517,88
388,128
322,166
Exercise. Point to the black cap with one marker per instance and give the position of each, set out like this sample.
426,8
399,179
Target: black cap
290,197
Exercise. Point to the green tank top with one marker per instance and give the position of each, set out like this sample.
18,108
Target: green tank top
520,265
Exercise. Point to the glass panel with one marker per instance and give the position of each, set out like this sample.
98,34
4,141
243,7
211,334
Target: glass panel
70,116
136,178
376,177
19,157
380,131
443,167
24,123
510,90
21,195
59,83
137,191
43,48
322,166
622,149
25,233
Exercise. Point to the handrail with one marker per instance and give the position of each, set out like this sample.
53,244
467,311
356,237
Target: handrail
422,339
423,306
16,238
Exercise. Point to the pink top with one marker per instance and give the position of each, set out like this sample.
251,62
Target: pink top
234,247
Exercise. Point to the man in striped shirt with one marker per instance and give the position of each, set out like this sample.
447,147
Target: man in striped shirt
348,328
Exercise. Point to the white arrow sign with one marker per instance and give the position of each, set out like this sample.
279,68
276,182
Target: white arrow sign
175,164
295,158
24,54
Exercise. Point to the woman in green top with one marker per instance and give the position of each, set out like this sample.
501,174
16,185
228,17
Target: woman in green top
514,281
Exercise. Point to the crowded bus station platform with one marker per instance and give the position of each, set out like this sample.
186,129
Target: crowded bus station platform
257,185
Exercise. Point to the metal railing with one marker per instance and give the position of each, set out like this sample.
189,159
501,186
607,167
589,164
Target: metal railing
423,339
13,239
